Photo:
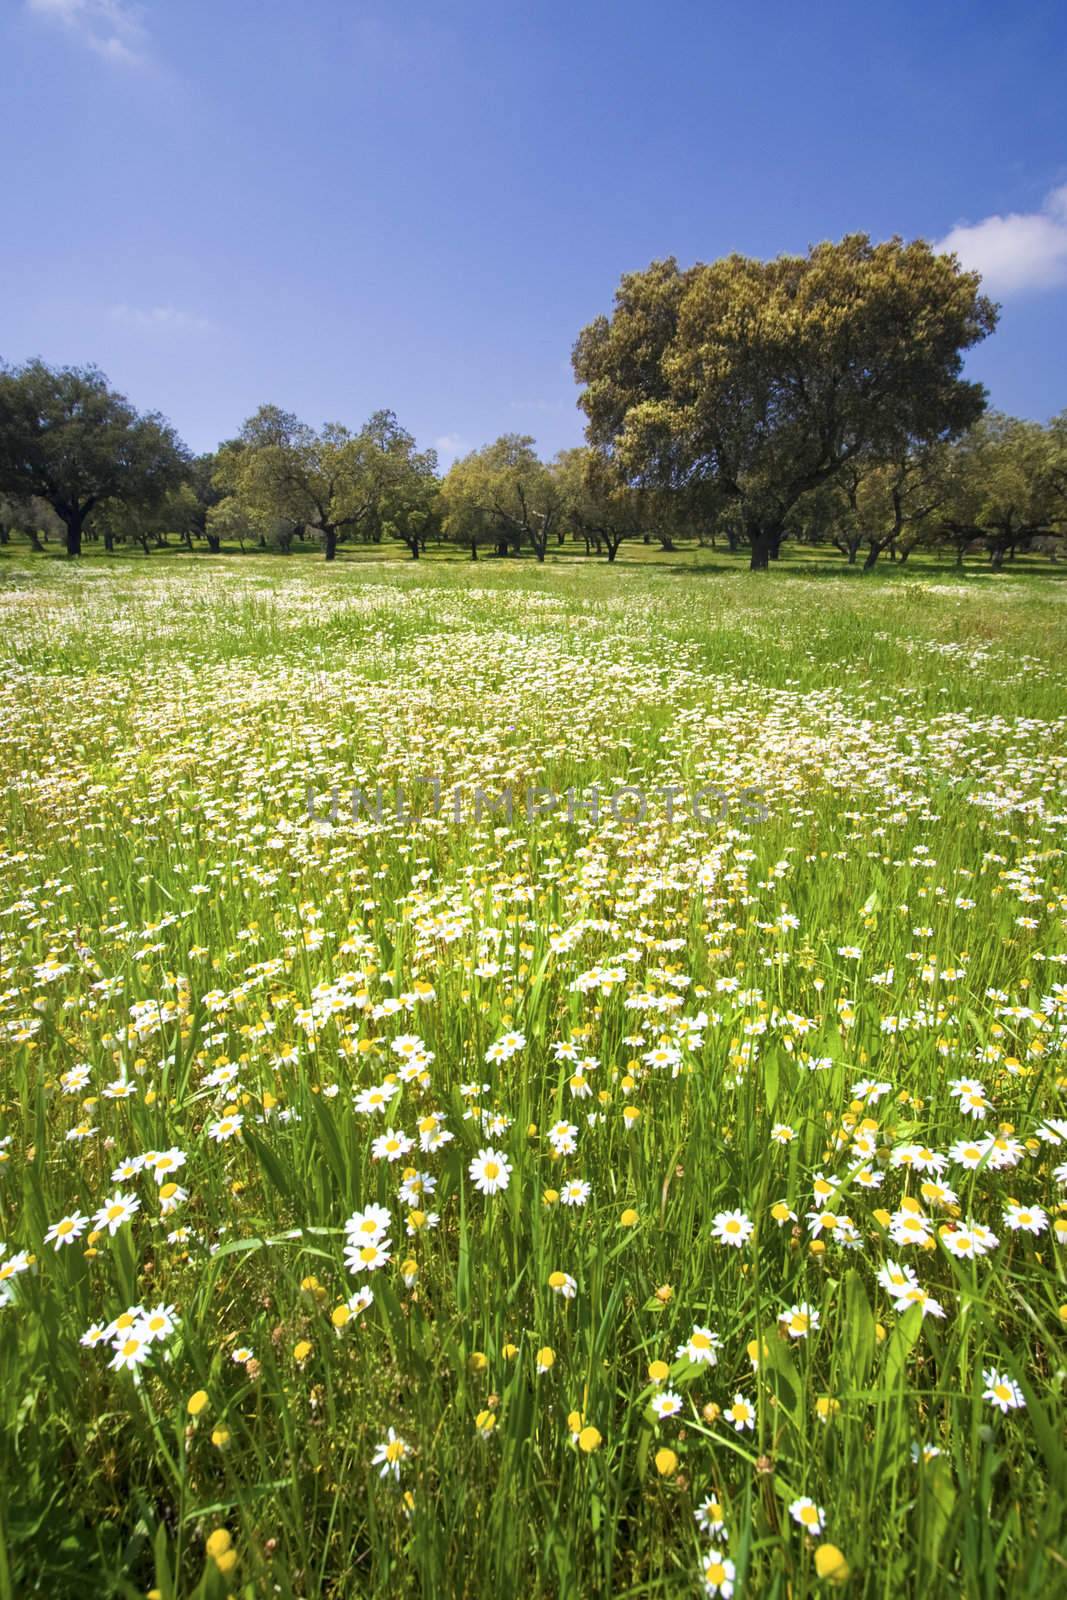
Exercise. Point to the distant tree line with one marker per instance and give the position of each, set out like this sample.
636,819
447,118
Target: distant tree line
818,398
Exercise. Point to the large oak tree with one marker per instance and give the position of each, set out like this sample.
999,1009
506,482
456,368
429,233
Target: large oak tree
69,439
751,383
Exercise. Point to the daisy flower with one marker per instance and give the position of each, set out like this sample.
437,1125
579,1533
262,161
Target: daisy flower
1002,1391
702,1346
391,1145
719,1573
799,1320
1025,1219
115,1211
131,1351
708,1514
732,1227
158,1323
226,1127
810,1516
367,1226
66,1230
490,1172
390,1454
741,1414
367,1257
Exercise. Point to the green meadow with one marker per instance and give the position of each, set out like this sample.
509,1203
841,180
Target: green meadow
659,1193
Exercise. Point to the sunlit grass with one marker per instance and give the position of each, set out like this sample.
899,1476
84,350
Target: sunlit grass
183,946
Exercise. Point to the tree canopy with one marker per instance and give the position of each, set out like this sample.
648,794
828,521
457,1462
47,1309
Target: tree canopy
504,491
69,439
755,382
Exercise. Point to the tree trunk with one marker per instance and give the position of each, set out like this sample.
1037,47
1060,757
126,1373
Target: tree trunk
109,540
761,540
502,547
329,539
996,558
775,546
74,532
872,556
212,543
474,549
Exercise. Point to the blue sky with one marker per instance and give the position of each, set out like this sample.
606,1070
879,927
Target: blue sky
337,205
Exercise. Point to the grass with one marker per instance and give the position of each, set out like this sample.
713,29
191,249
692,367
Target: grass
183,946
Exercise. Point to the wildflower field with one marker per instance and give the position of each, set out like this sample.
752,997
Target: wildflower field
639,1198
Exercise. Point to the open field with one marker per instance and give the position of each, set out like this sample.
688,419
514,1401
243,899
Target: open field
720,1152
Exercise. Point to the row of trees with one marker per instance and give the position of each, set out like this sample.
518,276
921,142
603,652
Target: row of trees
818,397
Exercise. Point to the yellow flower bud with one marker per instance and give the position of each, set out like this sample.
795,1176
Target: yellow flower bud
196,1402
830,1563
666,1462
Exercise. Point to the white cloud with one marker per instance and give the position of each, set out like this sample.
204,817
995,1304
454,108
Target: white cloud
450,445
111,28
1023,250
160,317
